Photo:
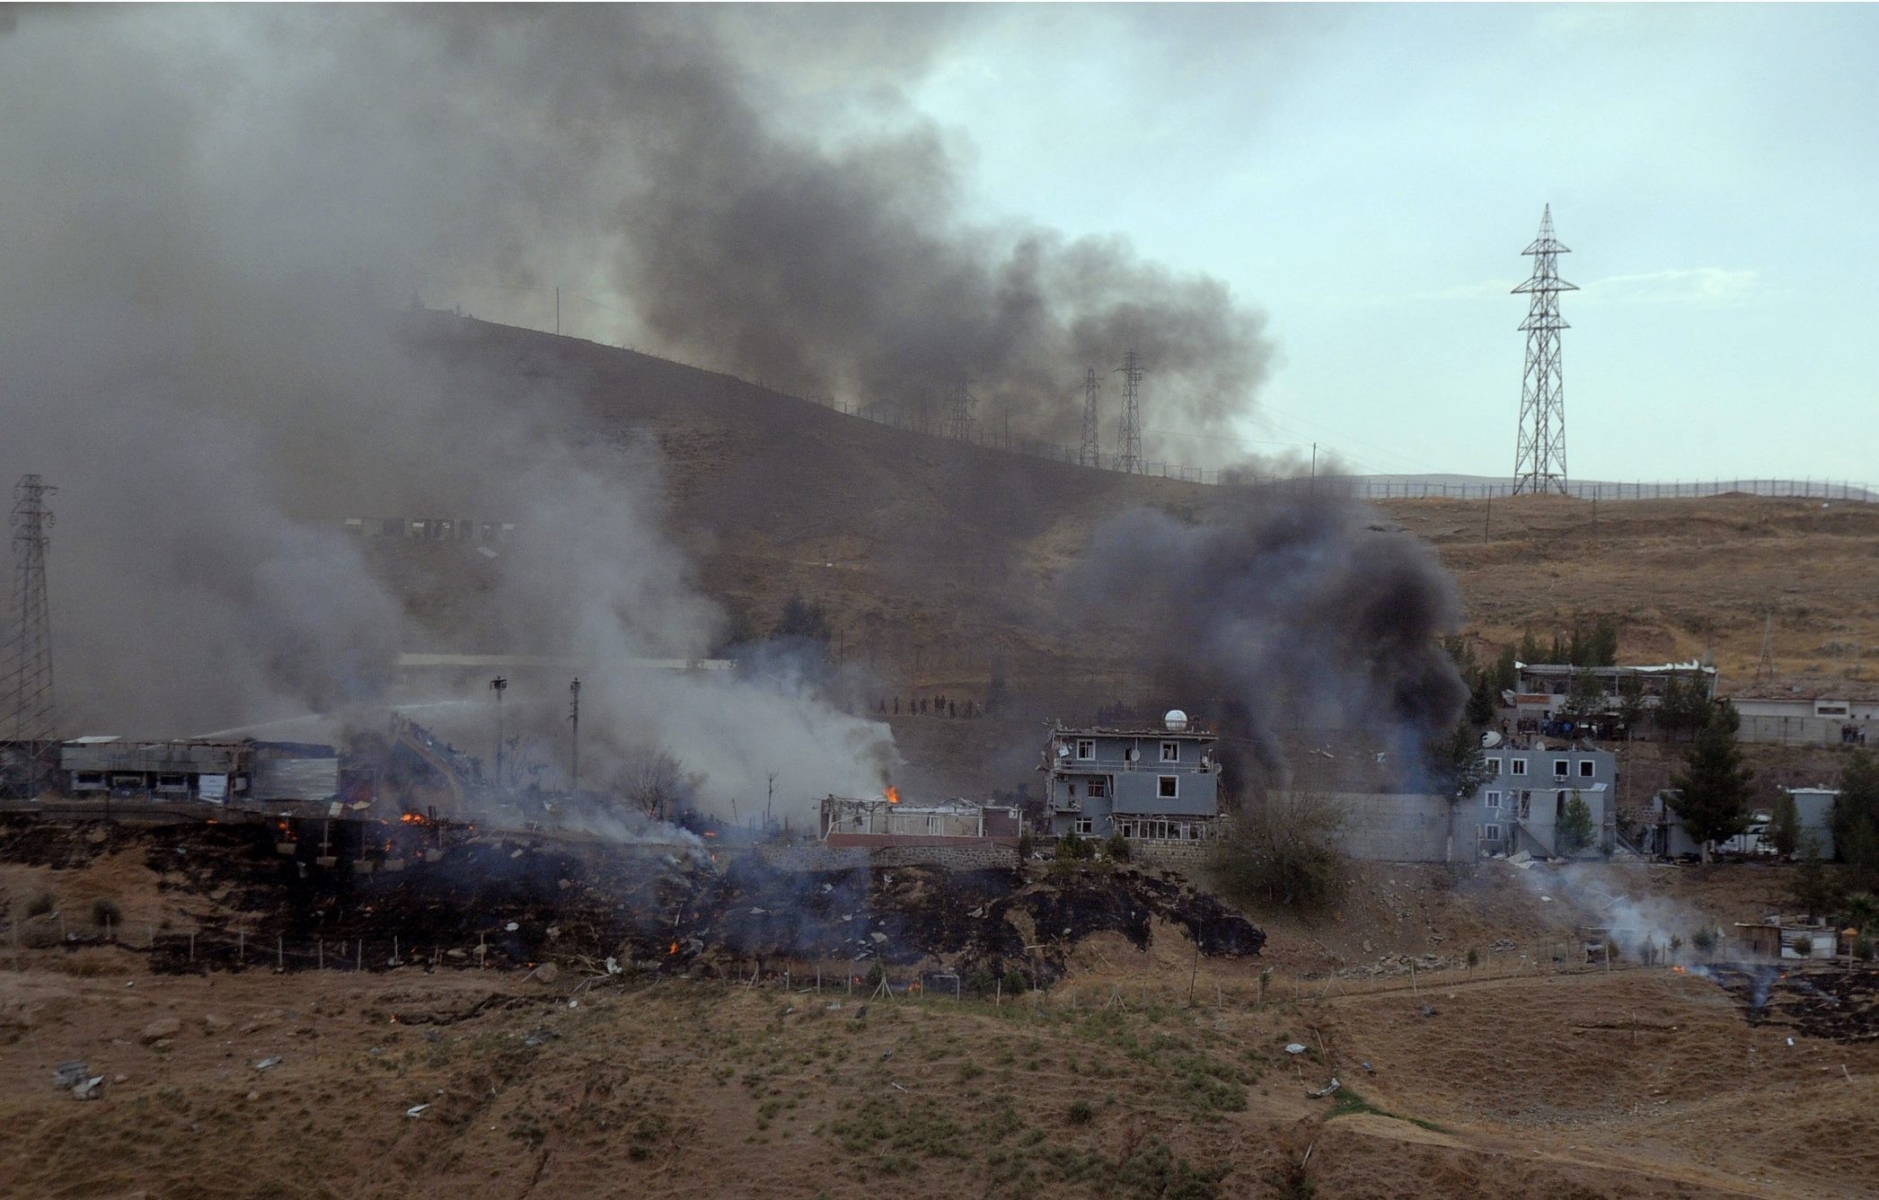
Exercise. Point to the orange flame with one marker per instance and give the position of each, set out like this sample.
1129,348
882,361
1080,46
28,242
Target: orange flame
674,948
1679,970
893,794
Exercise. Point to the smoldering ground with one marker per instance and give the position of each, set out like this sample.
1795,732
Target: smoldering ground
1286,611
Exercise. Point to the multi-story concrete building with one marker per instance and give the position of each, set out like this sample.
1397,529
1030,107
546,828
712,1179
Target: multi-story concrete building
1151,784
1523,803
1542,689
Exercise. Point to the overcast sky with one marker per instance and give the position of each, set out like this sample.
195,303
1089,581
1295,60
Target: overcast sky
1368,175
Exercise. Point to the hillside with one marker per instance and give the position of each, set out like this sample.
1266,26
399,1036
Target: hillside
934,558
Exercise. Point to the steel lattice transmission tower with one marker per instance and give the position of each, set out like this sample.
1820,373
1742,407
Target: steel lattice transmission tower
1090,453
1129,454
29,719
959,411
1540,456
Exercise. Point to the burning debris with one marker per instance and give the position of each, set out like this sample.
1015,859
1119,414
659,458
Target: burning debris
1832,1003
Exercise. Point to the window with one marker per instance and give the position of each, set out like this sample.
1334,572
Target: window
1494,799
1171,752
1166,787
1085,825
1494,766
1559,768
1585,767
1490,833
1086,748
88,779
1126,829
1519,765
1099,788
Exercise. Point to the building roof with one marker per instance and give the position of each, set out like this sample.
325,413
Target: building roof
1636,669
1805,687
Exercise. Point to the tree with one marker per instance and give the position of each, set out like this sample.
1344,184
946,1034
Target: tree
1855,820
655,782
1456,766
1784,826
1529,648
802,619
1586,697
1506,673
1281,850
1814,892
1631,703
1602,644
1576,831
1712,792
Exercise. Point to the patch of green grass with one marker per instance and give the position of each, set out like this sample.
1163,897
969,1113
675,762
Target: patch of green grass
1348,1103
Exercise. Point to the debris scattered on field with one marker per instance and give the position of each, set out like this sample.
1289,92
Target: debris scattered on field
416,1110
90,1089
1294,1047
1427,1010
269,1063
1326,1090
70,1074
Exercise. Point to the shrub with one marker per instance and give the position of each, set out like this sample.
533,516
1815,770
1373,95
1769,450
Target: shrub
1803,945
1117,848
1474,958
1281,851
1863,948
39,905
1703,941
104,910
1072,848
1027,846
1081,1113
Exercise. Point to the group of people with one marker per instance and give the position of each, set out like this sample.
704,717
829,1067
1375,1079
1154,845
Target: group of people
1852,735
938,706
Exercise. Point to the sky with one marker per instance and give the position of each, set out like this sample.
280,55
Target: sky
1368,175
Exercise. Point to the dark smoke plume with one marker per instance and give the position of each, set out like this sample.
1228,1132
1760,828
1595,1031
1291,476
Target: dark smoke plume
1294,612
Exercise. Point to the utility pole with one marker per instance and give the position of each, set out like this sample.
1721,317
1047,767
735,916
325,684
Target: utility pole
1765,665
557,311
574,723
1129,454
498,685
1540,451
30,719
1090,454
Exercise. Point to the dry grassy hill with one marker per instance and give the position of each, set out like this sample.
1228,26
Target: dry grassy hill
934,558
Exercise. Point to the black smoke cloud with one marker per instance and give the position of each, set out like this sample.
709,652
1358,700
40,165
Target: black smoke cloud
1292,612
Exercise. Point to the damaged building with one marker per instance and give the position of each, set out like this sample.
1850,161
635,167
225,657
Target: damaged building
1522,806
1154,784
243,774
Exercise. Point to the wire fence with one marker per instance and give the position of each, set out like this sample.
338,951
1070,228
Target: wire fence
1364,487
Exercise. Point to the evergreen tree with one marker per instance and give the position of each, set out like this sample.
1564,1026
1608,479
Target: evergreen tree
1576,831
1631,704
1586,698
1506,675
1855,819
1605,643
1455,763
1712,792
1529,648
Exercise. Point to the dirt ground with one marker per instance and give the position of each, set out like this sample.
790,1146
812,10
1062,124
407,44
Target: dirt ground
1143,1072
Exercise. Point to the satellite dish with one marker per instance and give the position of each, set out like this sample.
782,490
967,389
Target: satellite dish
1490,739
1175,720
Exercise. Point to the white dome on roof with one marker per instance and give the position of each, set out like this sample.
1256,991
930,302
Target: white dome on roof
1175,721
